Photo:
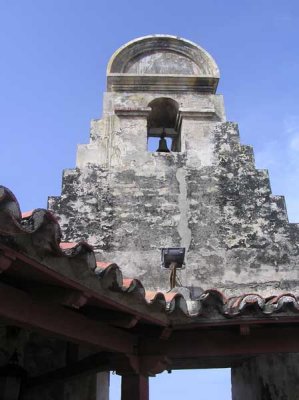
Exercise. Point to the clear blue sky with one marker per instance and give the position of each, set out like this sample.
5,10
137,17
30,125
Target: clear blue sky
53,60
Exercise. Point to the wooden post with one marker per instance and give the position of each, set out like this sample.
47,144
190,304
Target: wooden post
134,387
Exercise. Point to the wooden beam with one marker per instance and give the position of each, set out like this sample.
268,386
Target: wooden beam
134,387
112,317
58,295
72,353
91,364
23,310
5,262
226,342
99,297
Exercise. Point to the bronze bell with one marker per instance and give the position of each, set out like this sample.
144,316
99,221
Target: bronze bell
163,144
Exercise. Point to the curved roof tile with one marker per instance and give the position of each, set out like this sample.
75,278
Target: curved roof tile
39,231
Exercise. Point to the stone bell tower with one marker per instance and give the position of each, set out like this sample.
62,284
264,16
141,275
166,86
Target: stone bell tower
204,194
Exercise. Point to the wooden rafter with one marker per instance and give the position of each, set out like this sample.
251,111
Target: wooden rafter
23,310
226,342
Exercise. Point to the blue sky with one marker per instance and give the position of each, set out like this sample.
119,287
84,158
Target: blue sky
53,60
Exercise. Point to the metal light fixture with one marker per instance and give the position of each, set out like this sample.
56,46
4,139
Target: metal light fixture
173,259
173,256
11,377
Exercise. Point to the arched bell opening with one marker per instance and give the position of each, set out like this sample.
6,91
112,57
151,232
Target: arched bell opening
164,126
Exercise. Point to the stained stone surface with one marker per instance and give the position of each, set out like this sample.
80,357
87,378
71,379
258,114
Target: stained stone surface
162,54
129,202
267,377
162,63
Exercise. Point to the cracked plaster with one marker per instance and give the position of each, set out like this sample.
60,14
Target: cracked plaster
128,202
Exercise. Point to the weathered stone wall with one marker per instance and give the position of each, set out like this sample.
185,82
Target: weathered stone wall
267,377
212,201
79,388
43,354
39,355
209,197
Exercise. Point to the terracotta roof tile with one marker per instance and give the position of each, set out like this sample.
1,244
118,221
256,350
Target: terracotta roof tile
38,232
67,245
27,214
156,298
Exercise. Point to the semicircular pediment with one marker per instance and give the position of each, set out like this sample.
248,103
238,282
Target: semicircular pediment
162,62
162,55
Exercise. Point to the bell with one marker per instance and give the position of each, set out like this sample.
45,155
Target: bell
163,144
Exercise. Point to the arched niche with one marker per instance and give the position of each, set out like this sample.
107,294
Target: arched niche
164,122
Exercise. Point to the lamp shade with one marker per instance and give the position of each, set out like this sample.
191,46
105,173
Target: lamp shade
173,255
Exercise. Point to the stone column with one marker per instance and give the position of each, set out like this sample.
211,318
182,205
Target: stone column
103,383
267,377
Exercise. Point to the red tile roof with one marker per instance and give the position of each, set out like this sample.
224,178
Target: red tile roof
37,235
